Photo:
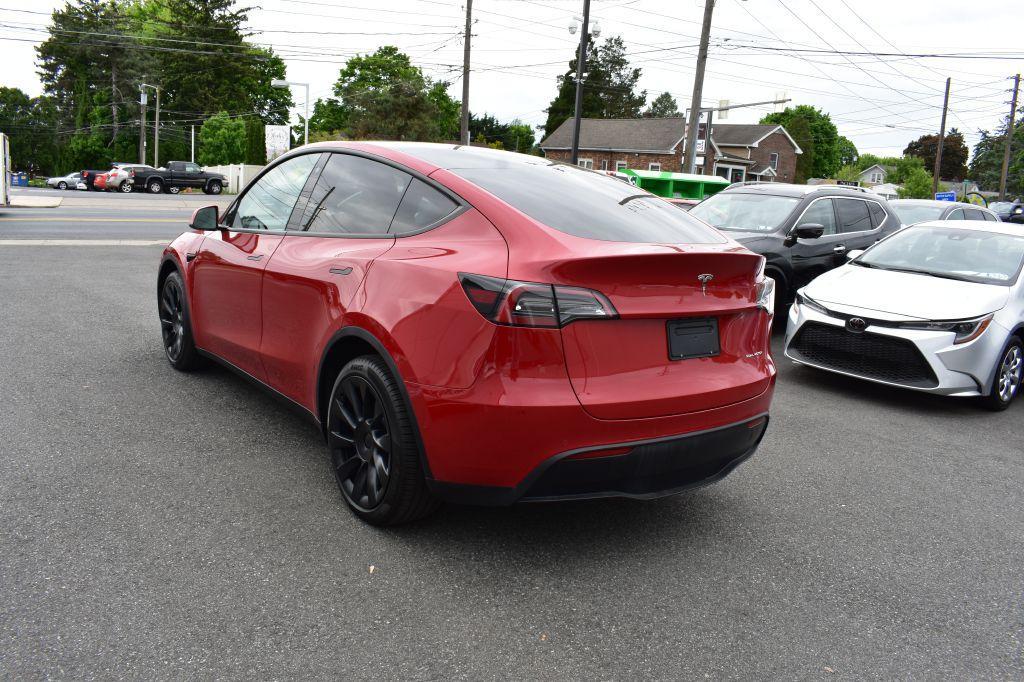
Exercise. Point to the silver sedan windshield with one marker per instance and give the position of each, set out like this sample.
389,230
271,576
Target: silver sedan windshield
954,253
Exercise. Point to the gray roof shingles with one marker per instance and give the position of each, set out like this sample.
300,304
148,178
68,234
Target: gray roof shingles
647,134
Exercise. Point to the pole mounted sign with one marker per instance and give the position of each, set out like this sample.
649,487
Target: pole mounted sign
945,196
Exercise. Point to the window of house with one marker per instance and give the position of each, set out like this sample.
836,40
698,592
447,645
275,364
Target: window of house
654,166
604,164
620,165
773,161
585,163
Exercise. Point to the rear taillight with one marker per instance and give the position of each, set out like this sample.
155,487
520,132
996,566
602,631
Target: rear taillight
532,304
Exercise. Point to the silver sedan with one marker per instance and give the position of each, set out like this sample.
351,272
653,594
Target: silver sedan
65,181
936,307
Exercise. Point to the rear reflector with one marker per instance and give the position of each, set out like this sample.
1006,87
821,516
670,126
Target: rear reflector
532,304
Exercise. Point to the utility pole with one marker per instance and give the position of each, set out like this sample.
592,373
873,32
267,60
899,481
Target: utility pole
1009,140
142,125
156,132
581,69
464,126
942,141
193,143
690,151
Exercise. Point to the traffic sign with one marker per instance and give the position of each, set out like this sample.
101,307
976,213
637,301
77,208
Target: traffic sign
945,196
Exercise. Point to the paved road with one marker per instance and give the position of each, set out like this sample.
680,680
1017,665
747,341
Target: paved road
103,215
156,524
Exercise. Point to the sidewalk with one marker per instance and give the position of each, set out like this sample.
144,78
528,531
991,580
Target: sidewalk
23,201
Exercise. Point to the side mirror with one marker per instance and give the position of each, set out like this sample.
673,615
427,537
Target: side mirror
808,231
206,218
850,255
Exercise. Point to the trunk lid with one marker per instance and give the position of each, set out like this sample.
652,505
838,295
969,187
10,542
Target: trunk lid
622,369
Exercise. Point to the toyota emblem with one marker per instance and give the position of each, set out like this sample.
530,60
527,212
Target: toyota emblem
856,324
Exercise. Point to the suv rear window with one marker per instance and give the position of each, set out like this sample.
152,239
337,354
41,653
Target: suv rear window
588,204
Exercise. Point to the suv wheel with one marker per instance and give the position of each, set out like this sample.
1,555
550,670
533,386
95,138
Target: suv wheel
214,187
374,454
173,190
176,324
155,186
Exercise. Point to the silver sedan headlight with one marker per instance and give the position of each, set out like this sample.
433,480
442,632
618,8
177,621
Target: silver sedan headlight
966,330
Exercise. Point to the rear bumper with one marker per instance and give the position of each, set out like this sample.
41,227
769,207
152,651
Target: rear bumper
649,469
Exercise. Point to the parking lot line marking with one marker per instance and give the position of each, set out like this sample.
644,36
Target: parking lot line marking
76,219
84,242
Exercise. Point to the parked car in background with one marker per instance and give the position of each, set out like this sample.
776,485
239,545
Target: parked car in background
99,182
179,175
1001,208
937,307
802,230
478,325
64,181
122,178
913,211
89,177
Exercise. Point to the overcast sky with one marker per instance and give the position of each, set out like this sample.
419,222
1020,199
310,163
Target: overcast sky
519,46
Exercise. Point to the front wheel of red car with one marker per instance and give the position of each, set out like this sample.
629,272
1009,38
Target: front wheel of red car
176,324
374,453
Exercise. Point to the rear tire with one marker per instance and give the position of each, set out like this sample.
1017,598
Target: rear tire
154,186
371,440
176,324
1009,370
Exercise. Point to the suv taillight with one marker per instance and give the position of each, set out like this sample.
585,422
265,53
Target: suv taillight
533,304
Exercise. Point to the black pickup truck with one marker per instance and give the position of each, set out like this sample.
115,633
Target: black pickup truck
179,175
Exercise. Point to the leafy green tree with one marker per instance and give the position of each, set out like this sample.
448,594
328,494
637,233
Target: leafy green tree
954,153
663,106
384,95
848,173
987,161
825,156
847,151
514,136
222,140
917,185
609,91
799,129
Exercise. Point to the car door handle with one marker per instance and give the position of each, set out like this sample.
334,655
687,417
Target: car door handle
190,256
341,271
839,249
258,256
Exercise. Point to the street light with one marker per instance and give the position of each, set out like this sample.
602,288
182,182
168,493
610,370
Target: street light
285,84
142,126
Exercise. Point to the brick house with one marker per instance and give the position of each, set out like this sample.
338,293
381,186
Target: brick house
740,151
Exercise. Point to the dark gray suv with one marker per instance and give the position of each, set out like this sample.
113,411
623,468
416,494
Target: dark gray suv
802,230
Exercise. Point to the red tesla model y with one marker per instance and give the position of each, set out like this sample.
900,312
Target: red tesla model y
479,326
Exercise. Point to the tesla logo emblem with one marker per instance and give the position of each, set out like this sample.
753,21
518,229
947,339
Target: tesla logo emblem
704,279
856,324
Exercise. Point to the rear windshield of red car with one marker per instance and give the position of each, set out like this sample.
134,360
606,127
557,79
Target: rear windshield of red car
589,204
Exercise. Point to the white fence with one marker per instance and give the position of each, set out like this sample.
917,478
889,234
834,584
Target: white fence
238,175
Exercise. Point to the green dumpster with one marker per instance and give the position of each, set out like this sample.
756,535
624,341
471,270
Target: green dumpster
676,185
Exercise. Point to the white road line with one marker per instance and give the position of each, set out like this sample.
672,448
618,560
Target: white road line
83,242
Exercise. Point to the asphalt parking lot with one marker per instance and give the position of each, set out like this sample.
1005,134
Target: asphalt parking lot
156,524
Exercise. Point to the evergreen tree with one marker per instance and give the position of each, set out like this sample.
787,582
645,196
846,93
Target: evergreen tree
663,106
608,92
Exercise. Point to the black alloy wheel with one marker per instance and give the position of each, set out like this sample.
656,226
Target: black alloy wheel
375,455
176,324
360,440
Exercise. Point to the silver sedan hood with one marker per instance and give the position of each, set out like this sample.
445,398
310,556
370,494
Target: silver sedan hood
905,295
